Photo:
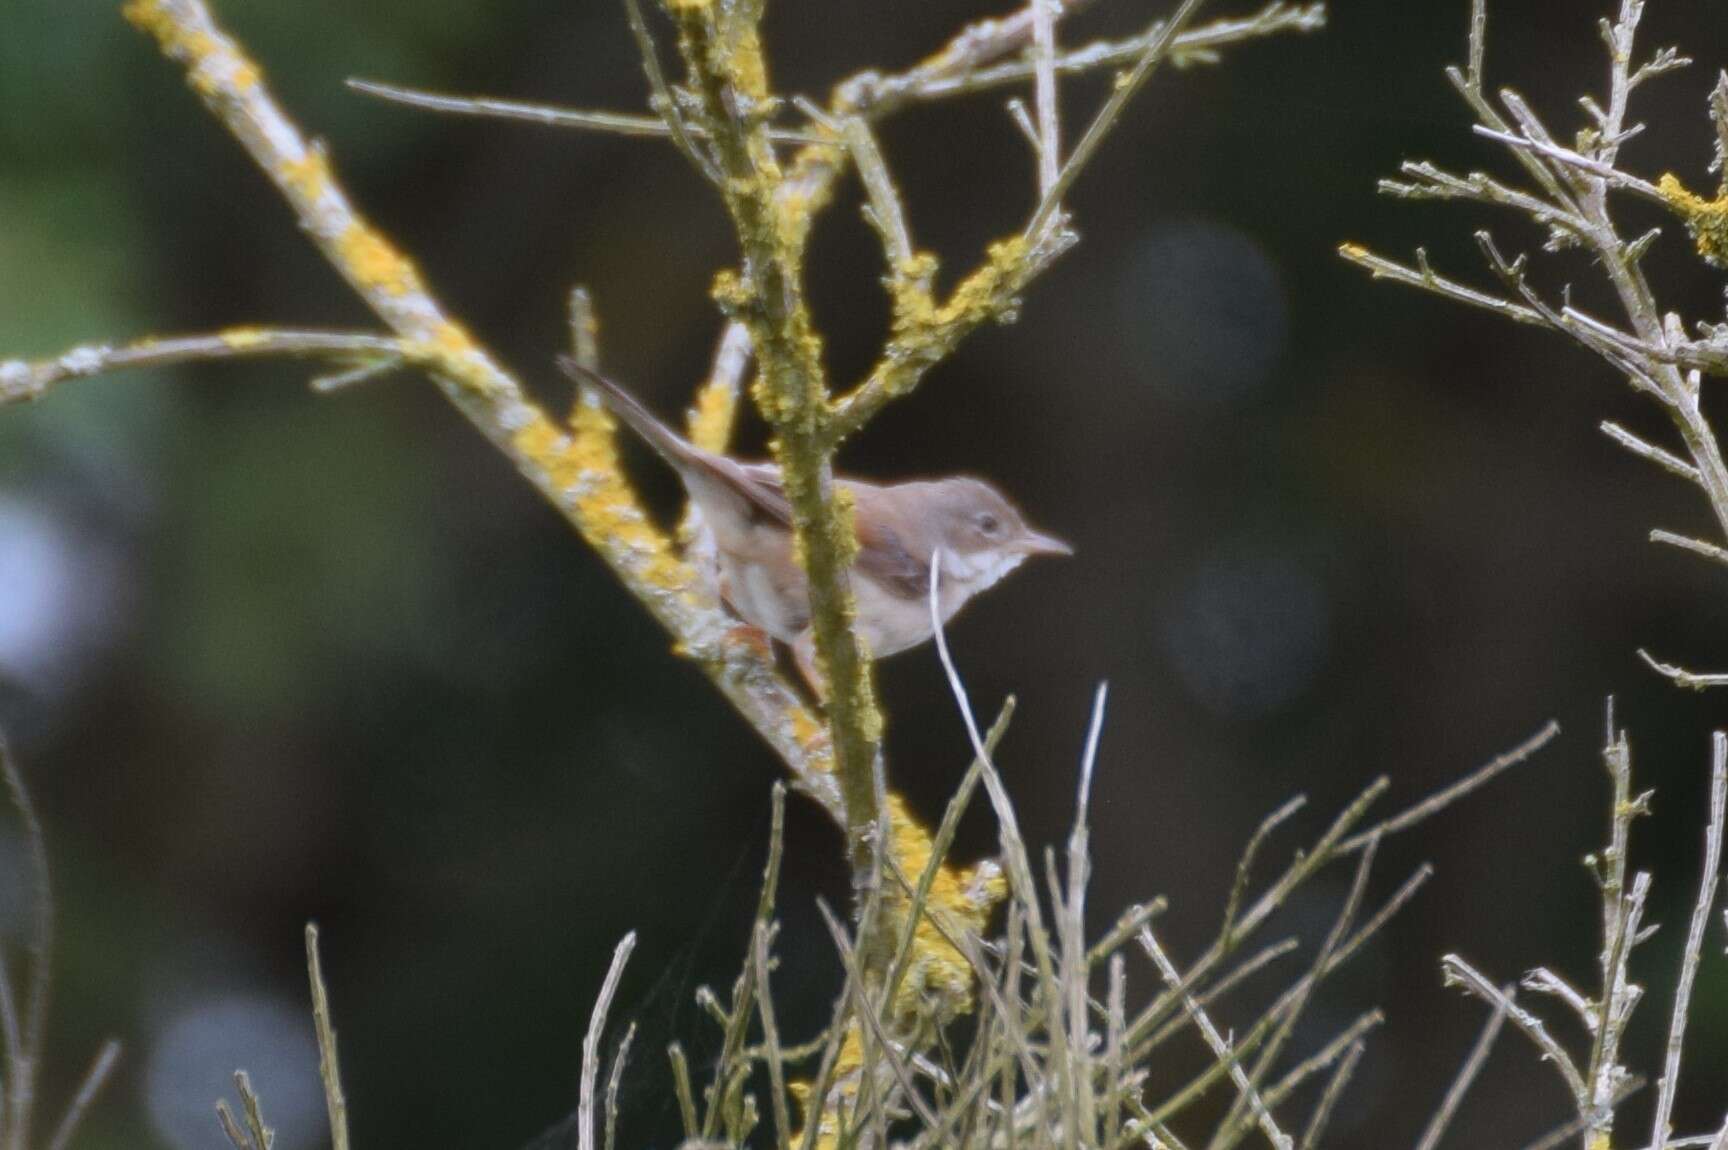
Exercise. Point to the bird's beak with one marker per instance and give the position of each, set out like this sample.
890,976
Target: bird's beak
1038,543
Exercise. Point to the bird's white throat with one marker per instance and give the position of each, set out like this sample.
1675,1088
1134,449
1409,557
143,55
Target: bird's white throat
979,570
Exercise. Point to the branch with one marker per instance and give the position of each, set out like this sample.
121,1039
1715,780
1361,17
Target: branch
974,47
1461,1083
91,1085
552,115
926,332
1681,677
1611,176
1329,1097
23,1035
963,70
1666,460
1127,85
1622,908
329,1070
255,1135
1687,543
23,380
1425,277
591,1041
731,83
575,468
1430,182
1660,1126
1044,16
1446,796
662,99
1457,972
1220,1048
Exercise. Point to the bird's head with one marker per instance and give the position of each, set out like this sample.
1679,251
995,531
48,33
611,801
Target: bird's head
984,536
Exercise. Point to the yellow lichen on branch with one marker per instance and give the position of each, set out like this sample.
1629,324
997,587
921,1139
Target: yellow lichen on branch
848,1065
212,65
242,338
374,262
712,416
309,176
939,980
728,76
1706,220
585,467
925,331
187,45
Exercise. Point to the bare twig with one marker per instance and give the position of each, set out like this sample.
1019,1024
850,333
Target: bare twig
329,1069
1423,276
1665,460
1701,913
1460,973
591,1041
1044,16
255,1135
1296,1000
1329,1097
663,100
1466,1077
1446,796
1220,1047
90,1086
619,1061
22,380
1687,543
23,1034
1126,87
967,65
553,115
771,1038
1245,865
1198,45
1681,677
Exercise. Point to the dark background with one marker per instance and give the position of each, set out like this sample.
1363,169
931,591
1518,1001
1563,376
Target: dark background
271,657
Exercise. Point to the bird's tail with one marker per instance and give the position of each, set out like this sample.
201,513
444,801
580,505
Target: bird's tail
675,449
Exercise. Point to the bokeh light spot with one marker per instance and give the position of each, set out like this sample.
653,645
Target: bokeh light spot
1246,628
193,1058
1201,306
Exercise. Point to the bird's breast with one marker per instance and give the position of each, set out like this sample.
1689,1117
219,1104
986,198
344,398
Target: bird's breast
768,592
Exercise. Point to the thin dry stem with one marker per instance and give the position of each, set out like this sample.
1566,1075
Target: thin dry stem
1702,910
329,1069
1466,1077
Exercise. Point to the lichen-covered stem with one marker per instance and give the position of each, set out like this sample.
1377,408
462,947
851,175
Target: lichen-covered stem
767,296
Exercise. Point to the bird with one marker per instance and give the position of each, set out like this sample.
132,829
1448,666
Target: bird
901,528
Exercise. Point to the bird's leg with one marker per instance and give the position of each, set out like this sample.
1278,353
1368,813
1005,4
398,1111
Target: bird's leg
754,637
804,654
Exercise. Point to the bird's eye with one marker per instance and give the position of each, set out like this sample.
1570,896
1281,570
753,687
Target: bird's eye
989,524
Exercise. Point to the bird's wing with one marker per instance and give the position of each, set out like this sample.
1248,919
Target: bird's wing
883,555
760,484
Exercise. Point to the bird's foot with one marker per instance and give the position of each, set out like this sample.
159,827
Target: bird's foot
755,638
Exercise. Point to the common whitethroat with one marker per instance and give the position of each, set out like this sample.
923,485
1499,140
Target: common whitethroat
900,526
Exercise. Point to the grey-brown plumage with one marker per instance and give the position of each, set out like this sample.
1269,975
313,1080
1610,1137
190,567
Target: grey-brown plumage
981,537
